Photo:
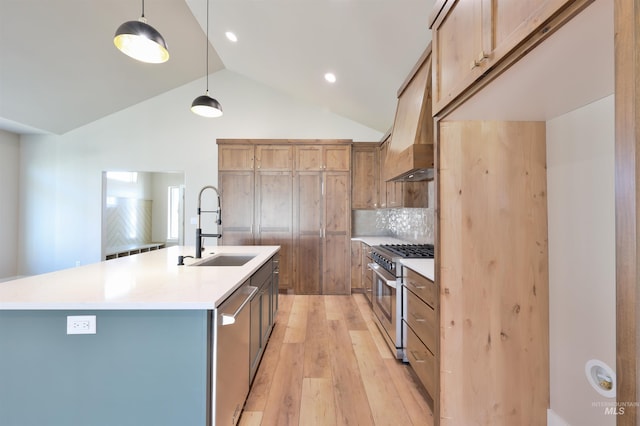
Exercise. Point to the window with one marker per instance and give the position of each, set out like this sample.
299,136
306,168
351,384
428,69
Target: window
129,177
173,213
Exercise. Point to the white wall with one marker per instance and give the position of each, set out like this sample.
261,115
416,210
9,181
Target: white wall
9,158
580,181
60,176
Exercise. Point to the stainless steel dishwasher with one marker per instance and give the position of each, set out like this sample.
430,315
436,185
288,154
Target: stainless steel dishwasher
231,352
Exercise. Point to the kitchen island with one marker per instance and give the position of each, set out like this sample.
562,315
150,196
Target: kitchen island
150,360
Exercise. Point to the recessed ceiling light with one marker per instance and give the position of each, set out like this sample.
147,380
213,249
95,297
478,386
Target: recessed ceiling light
231,36
330,77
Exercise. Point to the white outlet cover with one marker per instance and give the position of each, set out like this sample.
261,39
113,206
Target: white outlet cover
81,324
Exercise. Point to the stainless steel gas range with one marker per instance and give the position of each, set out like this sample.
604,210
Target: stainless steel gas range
387,294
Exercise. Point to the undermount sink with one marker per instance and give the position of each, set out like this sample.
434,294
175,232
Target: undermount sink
226,260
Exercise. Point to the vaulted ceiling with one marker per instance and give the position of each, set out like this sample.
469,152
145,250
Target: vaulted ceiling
60,70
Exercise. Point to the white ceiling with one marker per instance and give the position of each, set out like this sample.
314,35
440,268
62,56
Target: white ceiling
59,69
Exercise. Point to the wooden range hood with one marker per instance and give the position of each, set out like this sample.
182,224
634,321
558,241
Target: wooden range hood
410,152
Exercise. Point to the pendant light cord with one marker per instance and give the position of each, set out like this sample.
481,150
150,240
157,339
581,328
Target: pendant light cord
143,8
207,48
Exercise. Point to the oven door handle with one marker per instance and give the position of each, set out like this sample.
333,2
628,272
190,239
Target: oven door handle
383,274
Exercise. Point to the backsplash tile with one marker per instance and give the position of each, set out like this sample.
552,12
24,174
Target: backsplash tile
413,225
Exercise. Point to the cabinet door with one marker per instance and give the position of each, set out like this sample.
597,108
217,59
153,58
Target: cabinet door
382,184
394,193
364,178
308,195
415,194
236,200
337,158
472,36
274,157
356,265
235,157
336,270
274,217
457,47
367,278
309,157
507,22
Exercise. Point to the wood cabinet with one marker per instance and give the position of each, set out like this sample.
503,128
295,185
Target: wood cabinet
356,266
422,323
471,36
361,278
323,220
274,157
367,277
308,202
494,305
274,217
295,194
323,157
237,190
365,172
337,235
236,186
235,157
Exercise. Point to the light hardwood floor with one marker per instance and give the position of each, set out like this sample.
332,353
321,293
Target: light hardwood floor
326,364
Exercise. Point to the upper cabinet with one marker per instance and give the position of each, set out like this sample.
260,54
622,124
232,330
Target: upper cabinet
323,157
365,175
470,37
235,157
274,157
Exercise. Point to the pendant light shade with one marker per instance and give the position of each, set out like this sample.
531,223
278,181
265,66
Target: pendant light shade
141,41
205,105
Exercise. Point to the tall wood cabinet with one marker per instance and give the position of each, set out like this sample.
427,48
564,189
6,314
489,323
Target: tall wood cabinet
255,184
494,308
274,203
295,194
323,219
237,188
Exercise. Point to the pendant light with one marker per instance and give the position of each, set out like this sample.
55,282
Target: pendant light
141,41
205,105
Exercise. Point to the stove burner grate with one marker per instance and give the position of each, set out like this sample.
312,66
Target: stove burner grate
411,250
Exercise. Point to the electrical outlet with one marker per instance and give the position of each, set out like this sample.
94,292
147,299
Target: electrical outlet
81,324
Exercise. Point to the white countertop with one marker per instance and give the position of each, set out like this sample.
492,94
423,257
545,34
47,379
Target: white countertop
425,267
150,280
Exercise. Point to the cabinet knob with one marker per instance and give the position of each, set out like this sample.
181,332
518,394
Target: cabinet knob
482,56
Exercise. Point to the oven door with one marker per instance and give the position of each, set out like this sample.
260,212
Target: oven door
384,302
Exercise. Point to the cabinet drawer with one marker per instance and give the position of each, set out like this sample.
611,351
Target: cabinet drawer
422,319
422,287
423,362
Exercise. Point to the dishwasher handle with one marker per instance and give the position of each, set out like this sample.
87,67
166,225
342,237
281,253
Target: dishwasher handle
231,319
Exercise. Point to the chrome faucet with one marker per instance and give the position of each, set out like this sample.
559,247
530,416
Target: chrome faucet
199,235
